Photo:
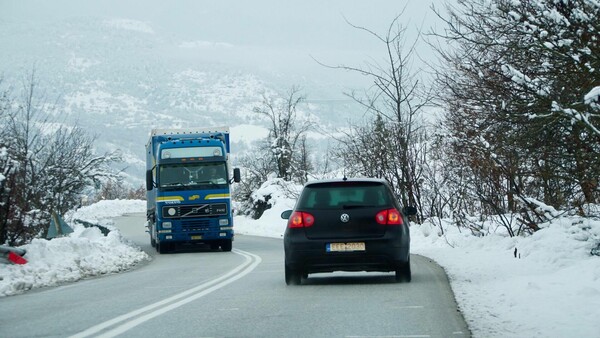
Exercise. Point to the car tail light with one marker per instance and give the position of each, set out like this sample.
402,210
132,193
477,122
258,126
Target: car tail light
389,217
300,219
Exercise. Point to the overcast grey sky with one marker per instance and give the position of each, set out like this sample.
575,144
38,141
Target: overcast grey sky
281,34
269,22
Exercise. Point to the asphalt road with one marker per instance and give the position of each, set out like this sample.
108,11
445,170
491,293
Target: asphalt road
199,293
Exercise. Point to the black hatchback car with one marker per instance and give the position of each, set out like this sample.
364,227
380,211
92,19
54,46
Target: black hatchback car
347,225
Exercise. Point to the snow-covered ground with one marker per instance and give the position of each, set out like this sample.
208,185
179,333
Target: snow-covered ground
84,253
551,289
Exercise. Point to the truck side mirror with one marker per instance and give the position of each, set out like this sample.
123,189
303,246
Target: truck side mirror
236,175
149,180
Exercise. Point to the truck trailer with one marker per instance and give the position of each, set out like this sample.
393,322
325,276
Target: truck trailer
188,180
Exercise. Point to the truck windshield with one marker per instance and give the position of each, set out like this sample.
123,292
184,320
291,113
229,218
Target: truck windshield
209,175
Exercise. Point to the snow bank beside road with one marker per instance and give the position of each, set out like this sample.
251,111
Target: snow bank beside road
83,253
550,289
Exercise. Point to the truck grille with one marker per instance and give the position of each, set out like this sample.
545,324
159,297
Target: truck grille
196,225
199,210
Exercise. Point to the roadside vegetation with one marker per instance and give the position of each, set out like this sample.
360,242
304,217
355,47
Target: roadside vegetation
508,133
46,166
508,130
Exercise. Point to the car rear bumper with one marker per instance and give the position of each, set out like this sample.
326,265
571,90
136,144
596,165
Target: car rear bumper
385,254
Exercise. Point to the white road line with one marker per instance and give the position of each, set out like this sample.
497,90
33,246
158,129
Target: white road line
168,304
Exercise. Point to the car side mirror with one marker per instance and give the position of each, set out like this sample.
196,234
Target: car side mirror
286,214
149,180
410,211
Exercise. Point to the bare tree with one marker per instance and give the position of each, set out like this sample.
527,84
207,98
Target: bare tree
286,130
304,164
392,146
114,189
49,165
8,164
256,169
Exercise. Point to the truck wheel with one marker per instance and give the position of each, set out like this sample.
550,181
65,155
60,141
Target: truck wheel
162,248
227,245
152,242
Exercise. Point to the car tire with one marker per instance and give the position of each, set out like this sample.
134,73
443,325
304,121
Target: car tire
403,274
292,277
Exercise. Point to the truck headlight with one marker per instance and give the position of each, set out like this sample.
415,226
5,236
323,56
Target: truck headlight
223,221
166,225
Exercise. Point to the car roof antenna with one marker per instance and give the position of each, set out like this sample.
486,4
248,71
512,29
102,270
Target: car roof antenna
345,178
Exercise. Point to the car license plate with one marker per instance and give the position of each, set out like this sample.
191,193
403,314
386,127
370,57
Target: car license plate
344,247
196,237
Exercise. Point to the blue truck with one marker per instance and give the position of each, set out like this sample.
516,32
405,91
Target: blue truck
188,181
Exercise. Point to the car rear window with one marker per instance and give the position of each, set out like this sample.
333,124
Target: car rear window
344,195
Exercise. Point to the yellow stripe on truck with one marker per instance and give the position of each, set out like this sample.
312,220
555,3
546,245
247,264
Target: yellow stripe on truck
169,198
215,196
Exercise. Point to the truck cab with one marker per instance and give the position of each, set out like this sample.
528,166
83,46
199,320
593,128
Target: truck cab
188,188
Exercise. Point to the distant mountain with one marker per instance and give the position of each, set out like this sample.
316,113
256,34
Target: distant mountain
120,78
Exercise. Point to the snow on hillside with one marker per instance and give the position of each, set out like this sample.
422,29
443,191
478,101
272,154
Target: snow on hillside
129,24
124,77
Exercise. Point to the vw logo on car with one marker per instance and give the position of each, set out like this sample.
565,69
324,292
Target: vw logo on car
345,218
